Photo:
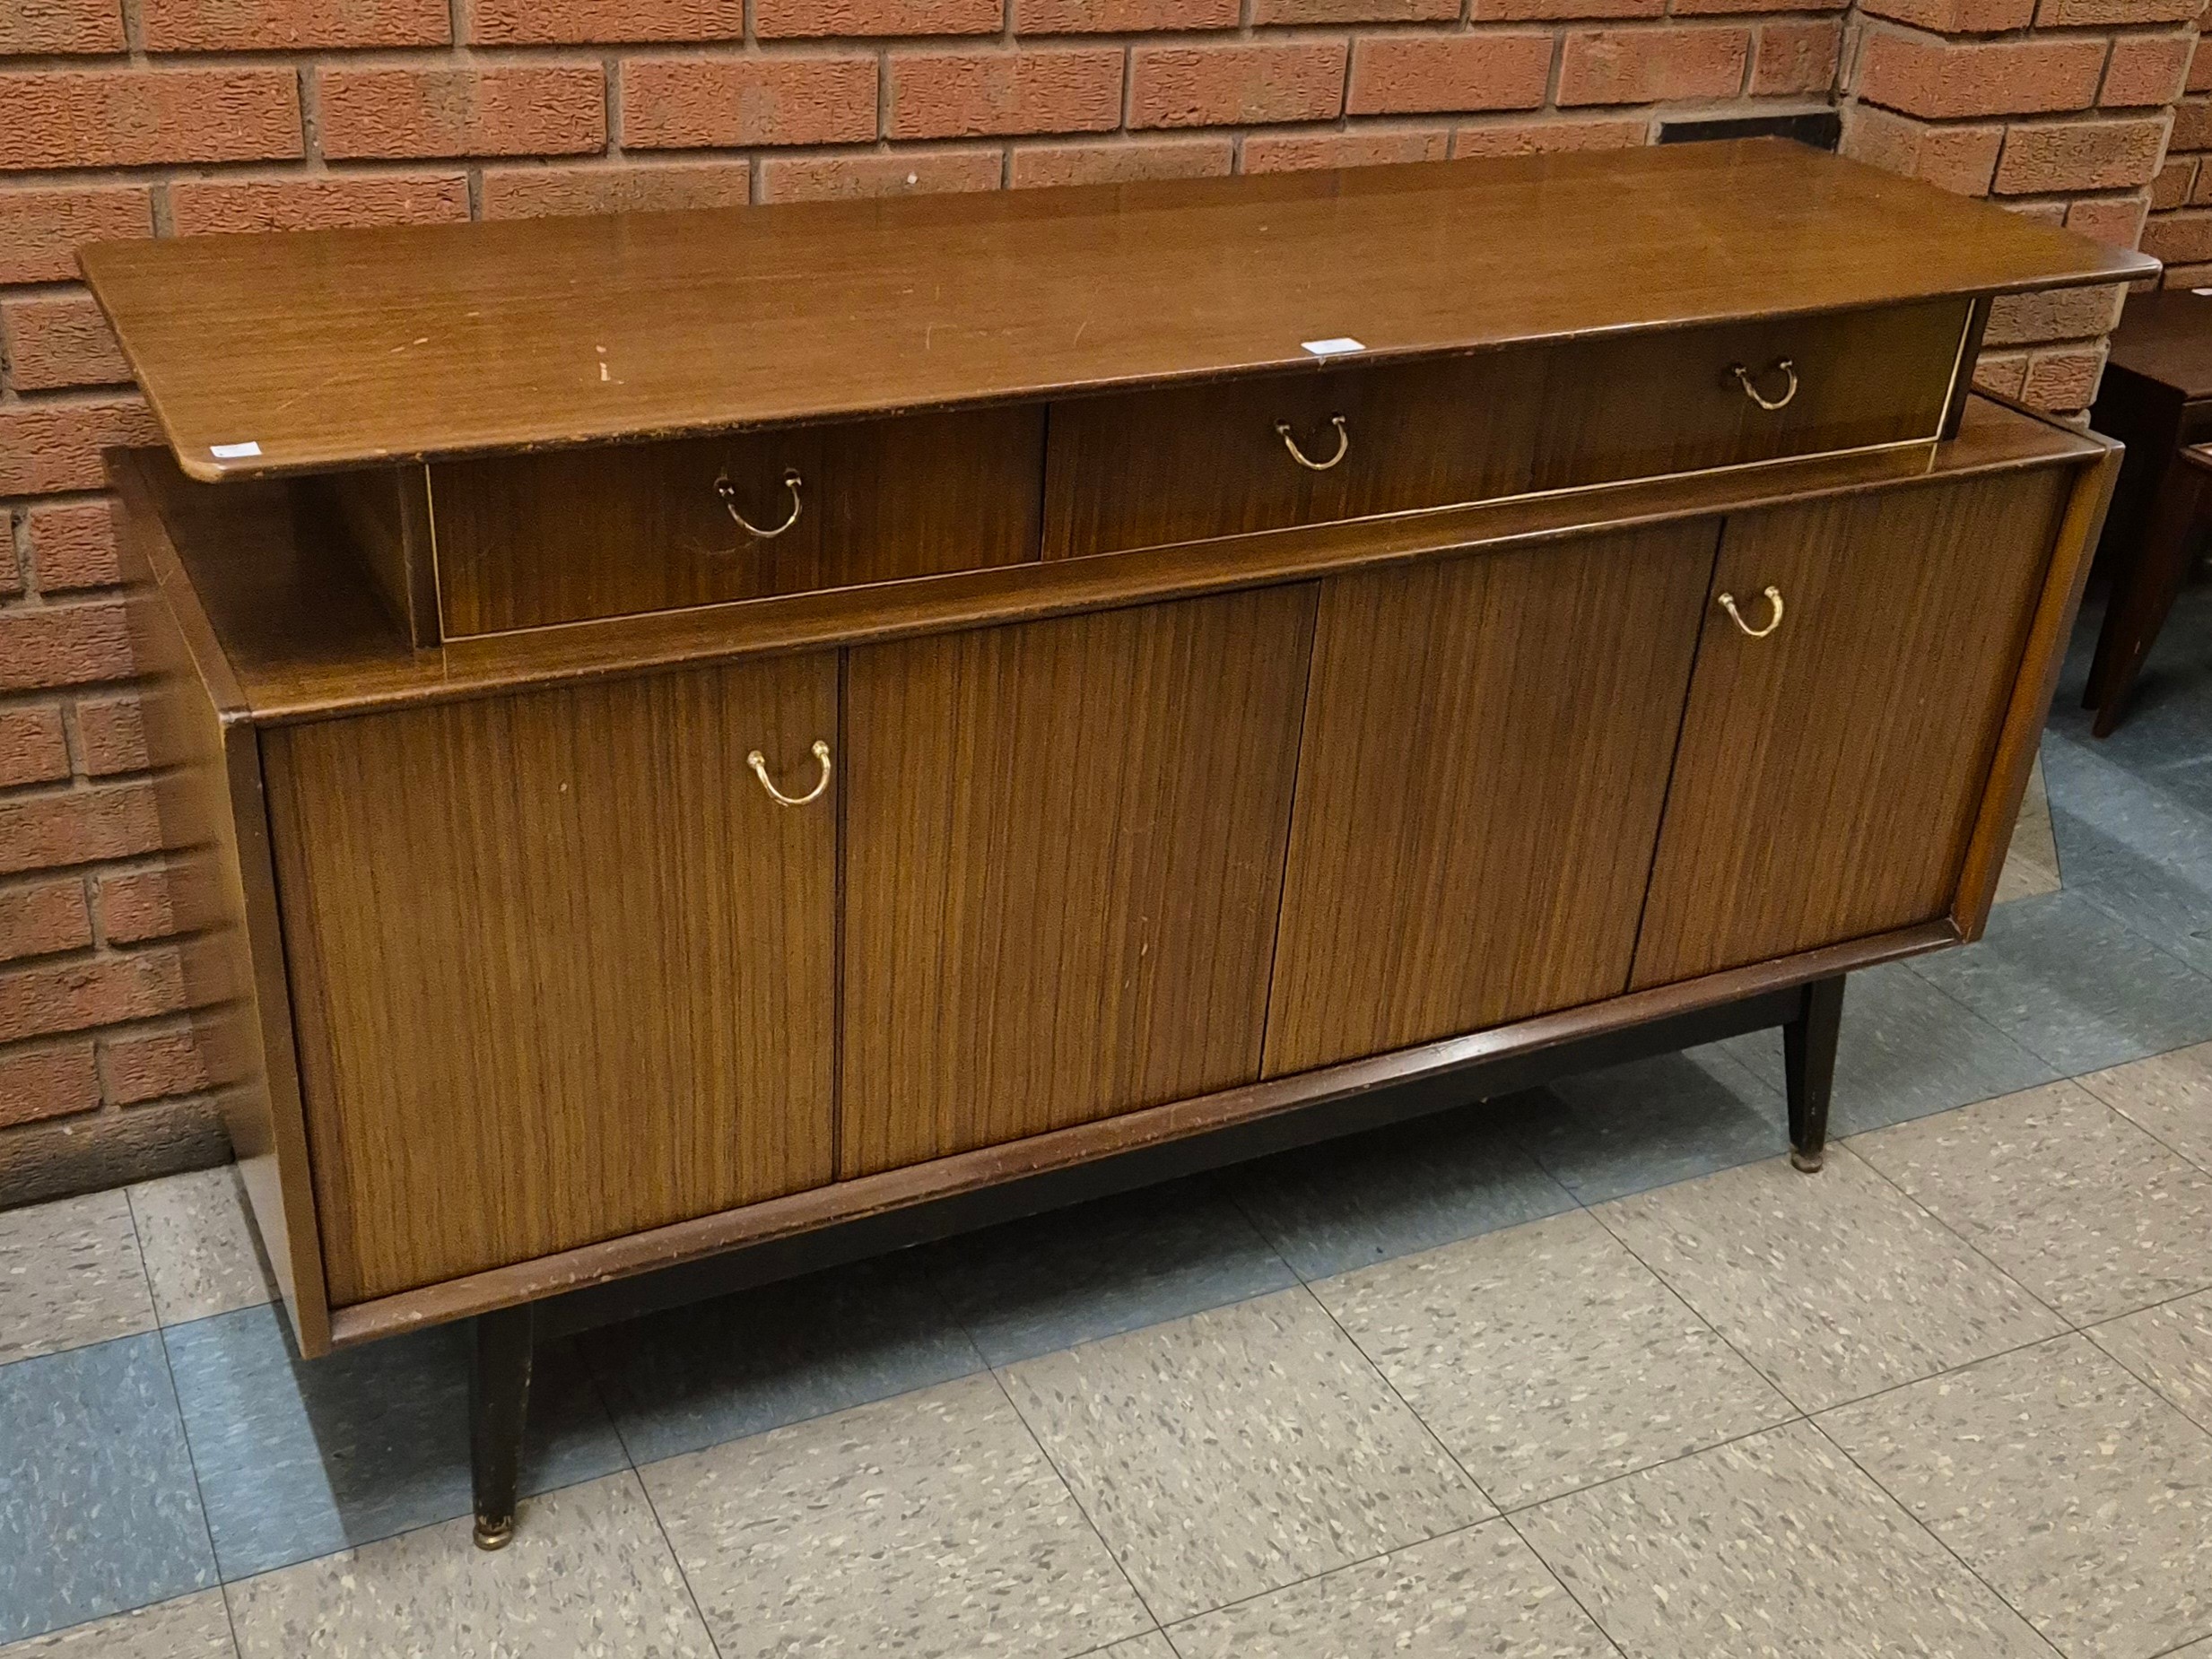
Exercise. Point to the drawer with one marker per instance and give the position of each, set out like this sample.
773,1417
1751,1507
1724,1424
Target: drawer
526,541
1317,445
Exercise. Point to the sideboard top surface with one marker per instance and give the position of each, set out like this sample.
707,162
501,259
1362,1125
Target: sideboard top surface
289,352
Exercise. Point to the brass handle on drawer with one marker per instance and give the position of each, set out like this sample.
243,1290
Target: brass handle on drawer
759,763
1344,444
1784,366
728,493
1773,598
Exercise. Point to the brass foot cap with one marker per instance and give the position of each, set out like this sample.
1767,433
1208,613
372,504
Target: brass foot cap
495,1535
1805,1163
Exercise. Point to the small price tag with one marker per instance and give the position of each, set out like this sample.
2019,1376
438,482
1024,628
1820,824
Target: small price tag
1337,347
234,452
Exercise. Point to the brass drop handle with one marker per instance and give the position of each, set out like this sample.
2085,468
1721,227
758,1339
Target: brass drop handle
759,763
1784,366
1773,598
1344,444
728,493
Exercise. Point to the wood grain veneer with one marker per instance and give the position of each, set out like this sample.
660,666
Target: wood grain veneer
563,970
327,349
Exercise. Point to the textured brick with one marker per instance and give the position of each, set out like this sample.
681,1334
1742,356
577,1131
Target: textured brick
1236,86
1795,57
36,28
2186,276
57,340
2200,186
134,905
32,748
41,229
2113,219
62,645
208,206
2067,314
2106,13
2193,126
149,1065
2171,188
56,1080
2145,71
1549,137
72,544
1746,8
1050,17
975,93
2063,380
2179,239
688,103
291,25
2200,66
821,18
77,826
2002,372
1955,17
39,918
111,735
138,118
622,187
76,996
1119,162
908,172
1653,65
523,109
1363,146
55,444
588,22
1410,74
1945,80
1325,12
2045,158
1541,11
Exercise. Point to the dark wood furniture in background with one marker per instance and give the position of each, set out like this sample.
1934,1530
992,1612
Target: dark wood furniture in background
1005,698
2156,399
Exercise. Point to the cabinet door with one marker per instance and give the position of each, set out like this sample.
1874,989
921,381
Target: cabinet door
1487,745
562,967
1830,771
1064,851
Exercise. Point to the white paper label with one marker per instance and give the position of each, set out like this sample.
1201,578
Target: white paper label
233,452
1337,347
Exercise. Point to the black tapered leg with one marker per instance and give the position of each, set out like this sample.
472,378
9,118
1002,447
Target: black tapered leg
499,1400
1808,1069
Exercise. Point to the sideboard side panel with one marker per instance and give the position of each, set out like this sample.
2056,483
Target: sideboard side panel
564,970
1063,861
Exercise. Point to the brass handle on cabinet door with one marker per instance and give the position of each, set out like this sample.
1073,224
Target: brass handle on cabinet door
1784,366
759,763
728,493
1344,446
1773,598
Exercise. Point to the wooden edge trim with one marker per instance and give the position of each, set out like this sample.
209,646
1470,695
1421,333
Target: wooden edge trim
1963,369
2080,523
965,1172
126,477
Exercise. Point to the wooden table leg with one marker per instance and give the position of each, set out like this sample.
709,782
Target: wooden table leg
1808,1070
499,1400
2143,592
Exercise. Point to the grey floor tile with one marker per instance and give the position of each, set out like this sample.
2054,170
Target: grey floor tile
302,1457
1834,1285
1633,1128
1480,1591
2136,845
2169,1347
2169,1095
70,1275
1239,1451
1072,1275
2063,1192
747,1363
2074,986
929,1526
1345,1204
2168,720
2032,860
200,1251
1769,1548
1546,1357
1152,1646
588,1576
1907,1050
2080,1496
192,1626
98,1512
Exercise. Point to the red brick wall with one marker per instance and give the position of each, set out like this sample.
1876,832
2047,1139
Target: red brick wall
2180,232
140,118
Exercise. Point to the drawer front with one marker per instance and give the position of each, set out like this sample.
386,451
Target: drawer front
1281,450
526,541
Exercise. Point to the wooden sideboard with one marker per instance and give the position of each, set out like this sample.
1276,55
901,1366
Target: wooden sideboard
715,743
